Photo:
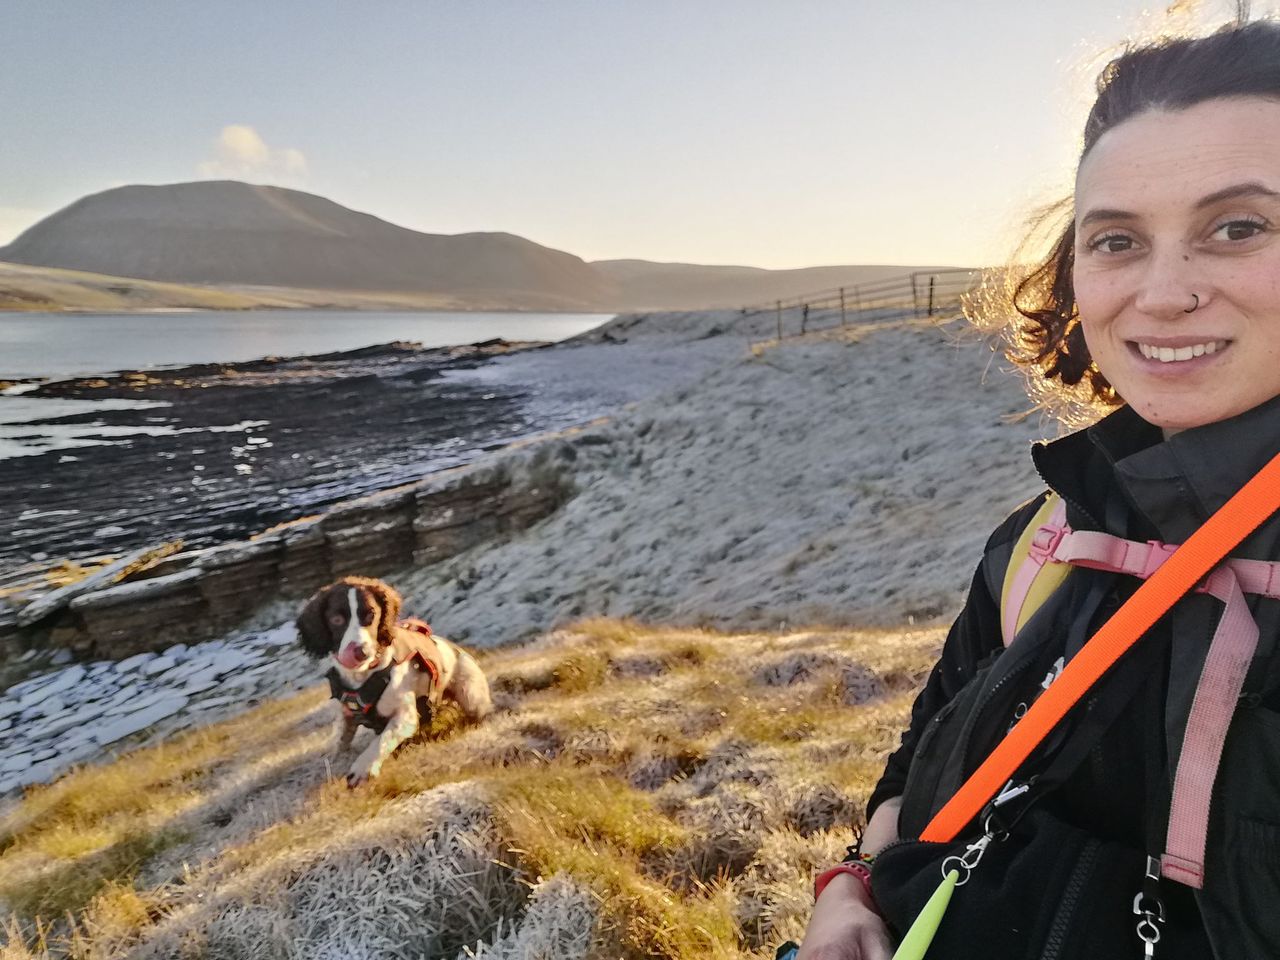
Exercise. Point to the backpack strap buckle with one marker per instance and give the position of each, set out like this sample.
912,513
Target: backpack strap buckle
1045,542
1156,556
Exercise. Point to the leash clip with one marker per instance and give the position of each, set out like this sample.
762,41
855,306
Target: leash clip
1149,908
963,864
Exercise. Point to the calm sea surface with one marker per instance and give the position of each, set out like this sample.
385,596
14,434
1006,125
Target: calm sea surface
65,345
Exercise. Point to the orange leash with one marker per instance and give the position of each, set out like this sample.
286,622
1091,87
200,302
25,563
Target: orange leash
1187,566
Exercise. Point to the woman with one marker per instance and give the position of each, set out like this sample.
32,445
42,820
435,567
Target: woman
1161,298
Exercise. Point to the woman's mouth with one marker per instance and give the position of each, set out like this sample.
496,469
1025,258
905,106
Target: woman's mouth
1179,354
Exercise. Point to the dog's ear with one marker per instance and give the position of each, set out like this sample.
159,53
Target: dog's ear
389,602
313,633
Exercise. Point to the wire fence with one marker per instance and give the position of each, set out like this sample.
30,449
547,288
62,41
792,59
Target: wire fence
917,295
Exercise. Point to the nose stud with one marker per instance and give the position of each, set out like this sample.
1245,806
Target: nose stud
1194,306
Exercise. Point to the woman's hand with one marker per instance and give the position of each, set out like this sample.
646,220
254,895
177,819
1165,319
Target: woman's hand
845,925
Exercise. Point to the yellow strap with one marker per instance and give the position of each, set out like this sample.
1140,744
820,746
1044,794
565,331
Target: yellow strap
1046,581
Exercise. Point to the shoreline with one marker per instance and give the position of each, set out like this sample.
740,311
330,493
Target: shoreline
218,450
244,446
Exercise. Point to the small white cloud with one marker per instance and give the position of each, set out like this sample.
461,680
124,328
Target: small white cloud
241,153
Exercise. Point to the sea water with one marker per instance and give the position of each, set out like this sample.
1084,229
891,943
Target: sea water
59,346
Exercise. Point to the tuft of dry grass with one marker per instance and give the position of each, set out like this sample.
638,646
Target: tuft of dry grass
641,792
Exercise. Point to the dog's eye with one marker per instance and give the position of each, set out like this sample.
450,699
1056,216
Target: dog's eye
337,619
366,618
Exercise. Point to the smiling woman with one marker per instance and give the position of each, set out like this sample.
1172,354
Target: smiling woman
1177,264
1159,303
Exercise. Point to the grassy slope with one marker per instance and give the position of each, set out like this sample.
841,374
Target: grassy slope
642,792
51,290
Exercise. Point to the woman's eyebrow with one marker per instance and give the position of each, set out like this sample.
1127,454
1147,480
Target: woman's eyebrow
1106,214
1250,189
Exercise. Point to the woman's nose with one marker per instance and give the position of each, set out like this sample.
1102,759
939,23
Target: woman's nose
1168,290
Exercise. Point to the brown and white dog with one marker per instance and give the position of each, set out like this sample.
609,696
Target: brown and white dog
387,675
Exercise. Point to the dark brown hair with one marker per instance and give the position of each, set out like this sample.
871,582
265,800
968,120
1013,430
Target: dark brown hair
1044,334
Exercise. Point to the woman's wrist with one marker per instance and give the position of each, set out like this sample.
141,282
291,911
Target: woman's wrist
848,892
857,873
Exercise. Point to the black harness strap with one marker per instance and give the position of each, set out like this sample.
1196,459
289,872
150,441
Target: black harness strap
358,702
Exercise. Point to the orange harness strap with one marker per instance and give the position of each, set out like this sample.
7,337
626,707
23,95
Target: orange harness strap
1191,563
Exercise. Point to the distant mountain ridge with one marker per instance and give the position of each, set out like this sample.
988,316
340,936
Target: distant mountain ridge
232,234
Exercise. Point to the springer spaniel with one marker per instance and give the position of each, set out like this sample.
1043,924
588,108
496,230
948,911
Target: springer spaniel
387,674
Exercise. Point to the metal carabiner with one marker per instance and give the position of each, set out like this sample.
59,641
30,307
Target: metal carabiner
1149,908
964,863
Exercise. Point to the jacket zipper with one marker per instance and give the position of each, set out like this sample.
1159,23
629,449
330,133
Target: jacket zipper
1057,937
1068,500
1013,674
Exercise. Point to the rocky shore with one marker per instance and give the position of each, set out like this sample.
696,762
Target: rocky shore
229,450
58,719
221,451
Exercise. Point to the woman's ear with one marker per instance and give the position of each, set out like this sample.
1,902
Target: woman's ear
389,602
313,633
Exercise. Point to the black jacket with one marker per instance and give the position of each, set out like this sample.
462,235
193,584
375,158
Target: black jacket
1123,477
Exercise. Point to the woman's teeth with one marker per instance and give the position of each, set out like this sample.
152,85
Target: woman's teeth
1174,354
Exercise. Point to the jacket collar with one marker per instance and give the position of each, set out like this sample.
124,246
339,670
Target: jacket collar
1175,484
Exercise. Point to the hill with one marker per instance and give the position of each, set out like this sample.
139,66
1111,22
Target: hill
54,289
645,285
226,232
237,245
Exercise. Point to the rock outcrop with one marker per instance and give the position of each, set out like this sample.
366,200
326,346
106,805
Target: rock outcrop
200,594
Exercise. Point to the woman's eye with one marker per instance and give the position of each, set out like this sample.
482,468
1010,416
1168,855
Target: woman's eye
1112,243
1237,230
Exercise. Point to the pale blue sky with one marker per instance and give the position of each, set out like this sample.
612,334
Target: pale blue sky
778,133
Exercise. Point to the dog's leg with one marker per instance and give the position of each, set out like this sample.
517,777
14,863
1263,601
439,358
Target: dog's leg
402,725
345,730
470,688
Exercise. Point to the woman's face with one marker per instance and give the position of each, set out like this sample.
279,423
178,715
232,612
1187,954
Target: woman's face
1175,208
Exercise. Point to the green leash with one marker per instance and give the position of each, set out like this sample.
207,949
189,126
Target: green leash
916,942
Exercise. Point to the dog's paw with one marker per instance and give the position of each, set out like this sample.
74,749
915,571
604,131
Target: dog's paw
362,772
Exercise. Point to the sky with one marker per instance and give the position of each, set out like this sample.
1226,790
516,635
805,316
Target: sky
771,133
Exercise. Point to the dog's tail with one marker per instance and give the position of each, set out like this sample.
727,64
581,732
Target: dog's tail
470,687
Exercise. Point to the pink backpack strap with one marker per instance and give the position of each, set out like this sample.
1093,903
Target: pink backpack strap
1221,679
1037,547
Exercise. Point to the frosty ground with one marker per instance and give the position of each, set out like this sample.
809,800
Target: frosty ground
648,787
846,478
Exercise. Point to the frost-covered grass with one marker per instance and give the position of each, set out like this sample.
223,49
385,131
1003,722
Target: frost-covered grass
641,792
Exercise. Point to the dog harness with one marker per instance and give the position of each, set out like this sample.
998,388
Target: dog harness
415,645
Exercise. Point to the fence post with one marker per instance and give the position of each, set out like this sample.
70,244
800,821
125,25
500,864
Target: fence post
931,279
915,297
779,319
842,317
804,320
